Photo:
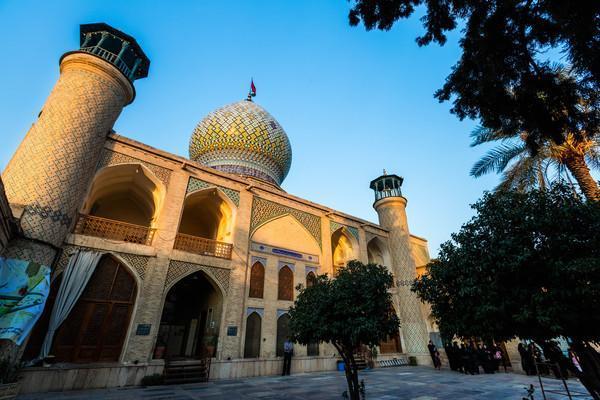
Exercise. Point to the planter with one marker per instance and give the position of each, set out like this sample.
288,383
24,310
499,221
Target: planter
9,391
412,361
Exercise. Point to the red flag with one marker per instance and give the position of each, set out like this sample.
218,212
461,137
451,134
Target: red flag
252,88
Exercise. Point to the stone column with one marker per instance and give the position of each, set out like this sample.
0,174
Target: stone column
50,171
150,302
235,314
392,216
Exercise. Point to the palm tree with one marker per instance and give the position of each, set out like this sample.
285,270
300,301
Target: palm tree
522,170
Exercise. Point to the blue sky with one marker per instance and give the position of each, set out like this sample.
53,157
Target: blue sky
352,102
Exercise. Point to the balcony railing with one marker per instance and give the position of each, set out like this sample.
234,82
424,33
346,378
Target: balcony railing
202,246
110,57
115,230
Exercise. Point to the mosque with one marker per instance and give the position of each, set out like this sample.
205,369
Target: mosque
182,266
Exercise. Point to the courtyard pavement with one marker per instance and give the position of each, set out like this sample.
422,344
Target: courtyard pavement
414,383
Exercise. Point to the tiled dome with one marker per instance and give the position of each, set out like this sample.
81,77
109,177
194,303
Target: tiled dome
243,138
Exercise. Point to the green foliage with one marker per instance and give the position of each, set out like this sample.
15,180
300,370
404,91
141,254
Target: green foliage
350,310
527,265
507,76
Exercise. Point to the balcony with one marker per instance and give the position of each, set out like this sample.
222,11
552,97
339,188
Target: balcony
115,230
202,246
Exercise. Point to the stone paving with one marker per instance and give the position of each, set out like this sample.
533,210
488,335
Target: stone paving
414,383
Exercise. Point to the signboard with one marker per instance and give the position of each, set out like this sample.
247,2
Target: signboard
143,329
232,331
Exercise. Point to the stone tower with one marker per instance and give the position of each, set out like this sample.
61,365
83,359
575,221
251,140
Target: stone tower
391,209
47,176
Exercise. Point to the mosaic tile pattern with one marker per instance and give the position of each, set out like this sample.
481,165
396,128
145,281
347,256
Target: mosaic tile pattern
265,210
24,249
243,138
179,269
195,184
138,263
334,226
54,163
110,157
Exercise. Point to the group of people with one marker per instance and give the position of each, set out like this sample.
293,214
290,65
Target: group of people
549,358
467,358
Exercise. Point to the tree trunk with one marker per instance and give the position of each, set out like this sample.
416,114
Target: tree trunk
581,172
350,371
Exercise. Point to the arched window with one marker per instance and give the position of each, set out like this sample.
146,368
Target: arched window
312,350
285,284
283,332
253,332
95,329
257,280
310,279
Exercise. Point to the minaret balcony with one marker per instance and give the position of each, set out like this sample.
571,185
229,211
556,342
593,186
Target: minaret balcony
203,246
112,58
115,230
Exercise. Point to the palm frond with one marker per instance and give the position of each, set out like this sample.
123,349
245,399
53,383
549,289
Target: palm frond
497,159
481,135
521,176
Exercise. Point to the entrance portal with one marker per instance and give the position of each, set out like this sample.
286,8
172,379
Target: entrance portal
189,326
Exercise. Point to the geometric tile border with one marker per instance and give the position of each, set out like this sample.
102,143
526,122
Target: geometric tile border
195,184
139,263
178,269
110,157
265,210
334,226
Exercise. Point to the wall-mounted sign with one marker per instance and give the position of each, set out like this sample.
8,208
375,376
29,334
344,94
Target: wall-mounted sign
265,248
143,329
232,331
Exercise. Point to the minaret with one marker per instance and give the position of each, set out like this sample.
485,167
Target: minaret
47,176
391,209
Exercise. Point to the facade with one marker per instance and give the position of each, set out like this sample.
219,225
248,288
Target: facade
201,255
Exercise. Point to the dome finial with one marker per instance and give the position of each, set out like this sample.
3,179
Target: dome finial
252,91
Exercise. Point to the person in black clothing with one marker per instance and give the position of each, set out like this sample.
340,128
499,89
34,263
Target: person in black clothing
450,355
466,359
456,353
435,357
525,363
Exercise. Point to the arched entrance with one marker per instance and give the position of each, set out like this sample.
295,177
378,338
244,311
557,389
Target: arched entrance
96,327
391,344
189,326
343,248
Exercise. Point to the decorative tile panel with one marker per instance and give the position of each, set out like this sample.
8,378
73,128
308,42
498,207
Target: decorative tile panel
266,210
179,269
137,262
334,226
195,184
287,253
110,157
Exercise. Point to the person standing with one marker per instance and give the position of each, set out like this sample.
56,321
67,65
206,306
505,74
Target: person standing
435,355
288,352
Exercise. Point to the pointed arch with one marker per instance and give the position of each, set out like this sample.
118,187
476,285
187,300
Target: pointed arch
283,333
311,278
392,343
253,335
257,280
127,192
97,327
344,248
285,284
208,213
306,241
378,253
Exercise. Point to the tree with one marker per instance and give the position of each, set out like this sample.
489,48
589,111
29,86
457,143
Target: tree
528,266
507,76
523,170
349,311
